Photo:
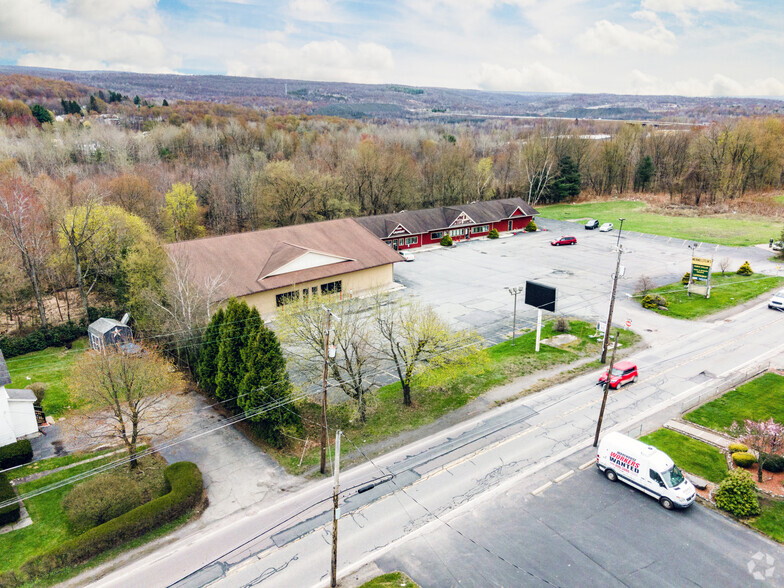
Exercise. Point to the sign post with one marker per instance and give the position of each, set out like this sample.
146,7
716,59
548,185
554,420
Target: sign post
699,280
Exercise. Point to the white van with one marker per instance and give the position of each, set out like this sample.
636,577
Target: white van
645,468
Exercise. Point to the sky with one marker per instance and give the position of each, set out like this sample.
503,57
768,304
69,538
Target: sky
684,47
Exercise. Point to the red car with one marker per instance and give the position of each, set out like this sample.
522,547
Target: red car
623,372
565,241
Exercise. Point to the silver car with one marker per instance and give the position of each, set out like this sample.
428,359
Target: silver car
606,228
777,302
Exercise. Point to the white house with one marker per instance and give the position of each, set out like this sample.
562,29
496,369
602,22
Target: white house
17,415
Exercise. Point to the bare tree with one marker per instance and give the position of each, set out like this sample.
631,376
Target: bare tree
414,336
644,284
537,162
724,263
128,392
20,222
79,227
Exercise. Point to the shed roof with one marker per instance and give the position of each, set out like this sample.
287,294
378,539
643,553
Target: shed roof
434,219
104,325
246,260
5,377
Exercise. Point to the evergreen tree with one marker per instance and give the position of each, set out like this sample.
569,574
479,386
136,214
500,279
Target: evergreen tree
644,173
230,367
41,114
137,100
266,380
93,104
208,356
567,183
165,103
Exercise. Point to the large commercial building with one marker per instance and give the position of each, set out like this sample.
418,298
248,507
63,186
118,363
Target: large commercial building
271,267
414,228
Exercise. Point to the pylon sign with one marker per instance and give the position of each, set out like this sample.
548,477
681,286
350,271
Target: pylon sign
699,281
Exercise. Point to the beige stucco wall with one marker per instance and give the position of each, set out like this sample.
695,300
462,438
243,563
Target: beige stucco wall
353,284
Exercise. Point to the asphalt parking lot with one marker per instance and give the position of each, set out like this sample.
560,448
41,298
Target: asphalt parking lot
467,283
587,531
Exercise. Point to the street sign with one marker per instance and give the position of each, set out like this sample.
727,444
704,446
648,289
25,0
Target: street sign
628,324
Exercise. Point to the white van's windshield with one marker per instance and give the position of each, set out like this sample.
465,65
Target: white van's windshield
672,477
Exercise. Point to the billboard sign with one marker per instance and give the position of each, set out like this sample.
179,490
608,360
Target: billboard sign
540,296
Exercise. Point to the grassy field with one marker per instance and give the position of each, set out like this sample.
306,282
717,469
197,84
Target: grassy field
689,454
51,366
771,520
757,400
440,391
392,580
735,230
50,526
727,290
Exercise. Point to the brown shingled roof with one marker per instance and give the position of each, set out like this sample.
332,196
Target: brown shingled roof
244,259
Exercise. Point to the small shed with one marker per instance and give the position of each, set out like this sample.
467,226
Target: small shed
107,332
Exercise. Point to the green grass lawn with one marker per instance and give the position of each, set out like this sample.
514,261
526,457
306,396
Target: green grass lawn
758,400
727,290
690,455
51,366
440,391
393,580
737,231
50,526
771,519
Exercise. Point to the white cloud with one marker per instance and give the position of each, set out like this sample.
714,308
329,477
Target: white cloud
608,38
717,85
318,60
530,78
87,34
312,10
541,43
680,6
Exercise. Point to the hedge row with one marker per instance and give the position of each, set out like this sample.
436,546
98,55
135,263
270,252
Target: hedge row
185,484
16,454
10,513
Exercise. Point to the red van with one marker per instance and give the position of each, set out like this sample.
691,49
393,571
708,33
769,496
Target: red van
623,372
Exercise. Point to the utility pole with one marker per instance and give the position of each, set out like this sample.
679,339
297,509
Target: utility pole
606,341
324,397
606,391
335,512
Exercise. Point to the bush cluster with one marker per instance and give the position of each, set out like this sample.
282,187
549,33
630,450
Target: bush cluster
773,463
16,454
737,494
446,241
10,513
735,447
745,269
530,227
653,301
743,459
101,499
685,278
185,484
493,234
561,325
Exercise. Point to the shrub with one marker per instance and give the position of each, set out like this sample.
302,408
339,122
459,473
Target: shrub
100,499
530,227
493,234
745,269
15,454
561,325
186,486
735,447
773,463
685,278
39,389
10,513
653,301
737,494
56,336
446,241
743,459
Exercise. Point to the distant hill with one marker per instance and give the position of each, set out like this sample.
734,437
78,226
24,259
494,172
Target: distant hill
400,101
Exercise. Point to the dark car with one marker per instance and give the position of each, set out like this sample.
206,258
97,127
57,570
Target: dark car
623,372
592,224
565,241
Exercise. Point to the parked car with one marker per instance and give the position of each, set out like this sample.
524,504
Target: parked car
623,372
565,241
645,468
606,228
592,224
777,302
777,245
406,256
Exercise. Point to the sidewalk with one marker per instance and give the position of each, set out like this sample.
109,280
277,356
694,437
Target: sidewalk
699,433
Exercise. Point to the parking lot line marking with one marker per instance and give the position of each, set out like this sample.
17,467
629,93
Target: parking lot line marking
562,477
587,464
541,489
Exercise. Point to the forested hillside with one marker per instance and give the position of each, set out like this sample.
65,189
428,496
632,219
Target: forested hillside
87,198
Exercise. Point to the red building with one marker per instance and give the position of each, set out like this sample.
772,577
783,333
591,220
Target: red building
414,228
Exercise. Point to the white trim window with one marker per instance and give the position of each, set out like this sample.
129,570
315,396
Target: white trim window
412,240
437,235
480,229
457,232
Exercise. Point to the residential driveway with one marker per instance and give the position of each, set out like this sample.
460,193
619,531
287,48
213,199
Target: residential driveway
237,474
467,283
585,531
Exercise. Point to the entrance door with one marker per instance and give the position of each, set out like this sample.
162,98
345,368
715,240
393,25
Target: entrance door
509,225
394,244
